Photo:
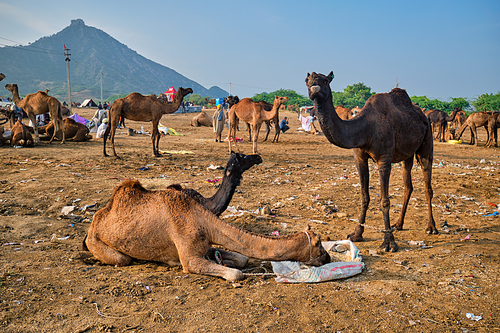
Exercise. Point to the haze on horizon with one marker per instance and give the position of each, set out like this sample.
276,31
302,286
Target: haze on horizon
440,49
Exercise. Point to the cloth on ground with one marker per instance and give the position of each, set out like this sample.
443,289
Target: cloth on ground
294,272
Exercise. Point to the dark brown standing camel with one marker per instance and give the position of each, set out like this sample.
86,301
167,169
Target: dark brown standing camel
138,107
236,165
253,113
459,119
475,120
440,120
388,129
39,103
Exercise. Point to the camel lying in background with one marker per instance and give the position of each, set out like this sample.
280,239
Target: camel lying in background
20,136
236,165
203,119
170,227
72,130
2,139
475,120
344,113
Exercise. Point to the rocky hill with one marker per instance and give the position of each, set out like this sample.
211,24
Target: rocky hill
41,65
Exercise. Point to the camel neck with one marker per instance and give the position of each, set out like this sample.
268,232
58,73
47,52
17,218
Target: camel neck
220,200
345,134
293,247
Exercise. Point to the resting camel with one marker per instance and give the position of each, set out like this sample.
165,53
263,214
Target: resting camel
138,107
170,227
475,120
236,165
203,119
39,103
343,113
440,120
388,129
20,136
72,130
253,113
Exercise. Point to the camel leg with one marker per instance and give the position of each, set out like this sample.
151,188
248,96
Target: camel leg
364,178
384,165
32,117
113,125
104,138
230,259
155,138
407,165
249,129
474,138
203,266
63,131
426,164
104,253
233,135
256,130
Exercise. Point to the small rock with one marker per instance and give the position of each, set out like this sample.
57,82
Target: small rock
341,215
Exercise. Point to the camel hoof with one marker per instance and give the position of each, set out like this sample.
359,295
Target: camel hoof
389,243
432,231
354,238
397,226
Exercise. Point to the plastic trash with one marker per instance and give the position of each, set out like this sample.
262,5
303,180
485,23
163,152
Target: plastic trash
471,316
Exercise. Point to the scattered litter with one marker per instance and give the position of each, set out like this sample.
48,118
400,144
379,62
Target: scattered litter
54,238
466,238
182,152
214,167
67,209
38,241
373,253
294,272
471,316
416,243
212,181
237,139
12,243
88,207
275,233
144,168
148,288
494,214
77,200
317,221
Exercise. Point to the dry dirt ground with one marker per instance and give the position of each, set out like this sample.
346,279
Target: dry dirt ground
53,286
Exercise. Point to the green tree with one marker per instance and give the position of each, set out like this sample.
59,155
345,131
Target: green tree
293,97
487,102
353,96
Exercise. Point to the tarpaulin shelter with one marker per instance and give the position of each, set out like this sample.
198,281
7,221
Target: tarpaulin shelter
171,94
88,103
79,119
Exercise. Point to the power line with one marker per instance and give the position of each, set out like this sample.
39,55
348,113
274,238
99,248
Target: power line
26,47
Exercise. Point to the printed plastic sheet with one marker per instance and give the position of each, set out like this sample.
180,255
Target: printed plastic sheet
294,272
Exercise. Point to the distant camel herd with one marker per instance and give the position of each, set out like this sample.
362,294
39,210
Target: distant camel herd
179,225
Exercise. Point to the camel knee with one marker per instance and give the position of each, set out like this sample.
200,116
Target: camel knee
104,253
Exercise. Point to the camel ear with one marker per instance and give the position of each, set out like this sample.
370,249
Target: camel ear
331,76
308,74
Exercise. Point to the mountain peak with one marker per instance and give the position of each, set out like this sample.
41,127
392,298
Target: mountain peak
77,22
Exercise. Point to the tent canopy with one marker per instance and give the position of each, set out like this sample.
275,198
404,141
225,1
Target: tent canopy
88,103
171,90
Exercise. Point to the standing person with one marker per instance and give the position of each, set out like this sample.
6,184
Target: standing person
284,125
219,119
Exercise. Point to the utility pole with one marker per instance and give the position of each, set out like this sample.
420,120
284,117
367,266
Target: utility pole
67,54
101,89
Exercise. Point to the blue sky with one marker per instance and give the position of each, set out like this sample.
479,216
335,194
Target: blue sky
440,49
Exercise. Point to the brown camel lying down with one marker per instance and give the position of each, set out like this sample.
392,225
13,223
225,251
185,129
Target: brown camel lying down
170,227
20,136
72,129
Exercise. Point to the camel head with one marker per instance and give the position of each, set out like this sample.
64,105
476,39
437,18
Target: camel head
242,162
318,85
184,91
11,87
317,253
278,100
231,100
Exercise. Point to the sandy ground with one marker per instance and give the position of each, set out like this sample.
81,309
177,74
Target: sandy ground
53,286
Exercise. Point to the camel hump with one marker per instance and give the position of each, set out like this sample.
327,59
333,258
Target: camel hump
176,187
133,184
400,97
